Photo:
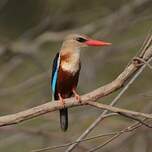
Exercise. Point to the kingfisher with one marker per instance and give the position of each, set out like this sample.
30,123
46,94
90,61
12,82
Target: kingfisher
66,70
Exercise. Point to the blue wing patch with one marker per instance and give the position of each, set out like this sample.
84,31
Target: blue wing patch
55,68
54,81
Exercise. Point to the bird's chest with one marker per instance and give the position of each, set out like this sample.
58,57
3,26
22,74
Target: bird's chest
68,73
66,82
71,64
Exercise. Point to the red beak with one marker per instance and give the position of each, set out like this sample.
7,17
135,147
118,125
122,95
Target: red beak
91,42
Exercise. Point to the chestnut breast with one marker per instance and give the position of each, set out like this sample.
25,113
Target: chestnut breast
66,82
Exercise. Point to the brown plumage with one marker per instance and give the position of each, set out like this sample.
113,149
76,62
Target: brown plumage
67,82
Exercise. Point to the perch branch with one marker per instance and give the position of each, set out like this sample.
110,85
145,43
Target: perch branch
53,106
88,98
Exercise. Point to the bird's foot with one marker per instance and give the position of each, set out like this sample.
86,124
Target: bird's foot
61,100
76,95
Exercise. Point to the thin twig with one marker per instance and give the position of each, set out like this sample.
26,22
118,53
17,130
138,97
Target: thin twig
114,101
126,130
132,127
115,134
136,119
87,139
143,62
119,110
68,144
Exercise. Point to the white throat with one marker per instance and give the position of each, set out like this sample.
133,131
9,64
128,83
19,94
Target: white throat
72,64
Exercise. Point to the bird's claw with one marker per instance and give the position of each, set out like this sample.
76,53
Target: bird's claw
63,103
77,96
61,100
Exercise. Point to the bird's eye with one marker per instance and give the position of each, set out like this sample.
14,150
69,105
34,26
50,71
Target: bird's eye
80,39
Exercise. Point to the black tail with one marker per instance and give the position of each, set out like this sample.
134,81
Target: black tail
64,119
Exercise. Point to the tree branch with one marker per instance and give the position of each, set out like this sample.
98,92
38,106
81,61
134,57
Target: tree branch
88,98
147,43
56,105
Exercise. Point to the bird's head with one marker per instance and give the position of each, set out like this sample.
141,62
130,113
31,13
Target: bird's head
76,41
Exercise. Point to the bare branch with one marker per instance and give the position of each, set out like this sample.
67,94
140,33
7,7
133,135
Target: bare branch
120,133
105,90
53,106
131,128
147,43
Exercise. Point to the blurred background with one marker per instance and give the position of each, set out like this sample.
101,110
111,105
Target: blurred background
31,32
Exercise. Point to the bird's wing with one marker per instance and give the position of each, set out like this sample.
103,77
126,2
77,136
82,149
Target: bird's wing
54,77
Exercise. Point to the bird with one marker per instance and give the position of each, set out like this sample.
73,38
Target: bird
66,69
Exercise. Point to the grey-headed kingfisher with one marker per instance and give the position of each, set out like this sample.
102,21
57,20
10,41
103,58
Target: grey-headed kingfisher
66,69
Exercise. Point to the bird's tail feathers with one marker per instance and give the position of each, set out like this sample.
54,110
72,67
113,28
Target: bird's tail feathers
64,119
